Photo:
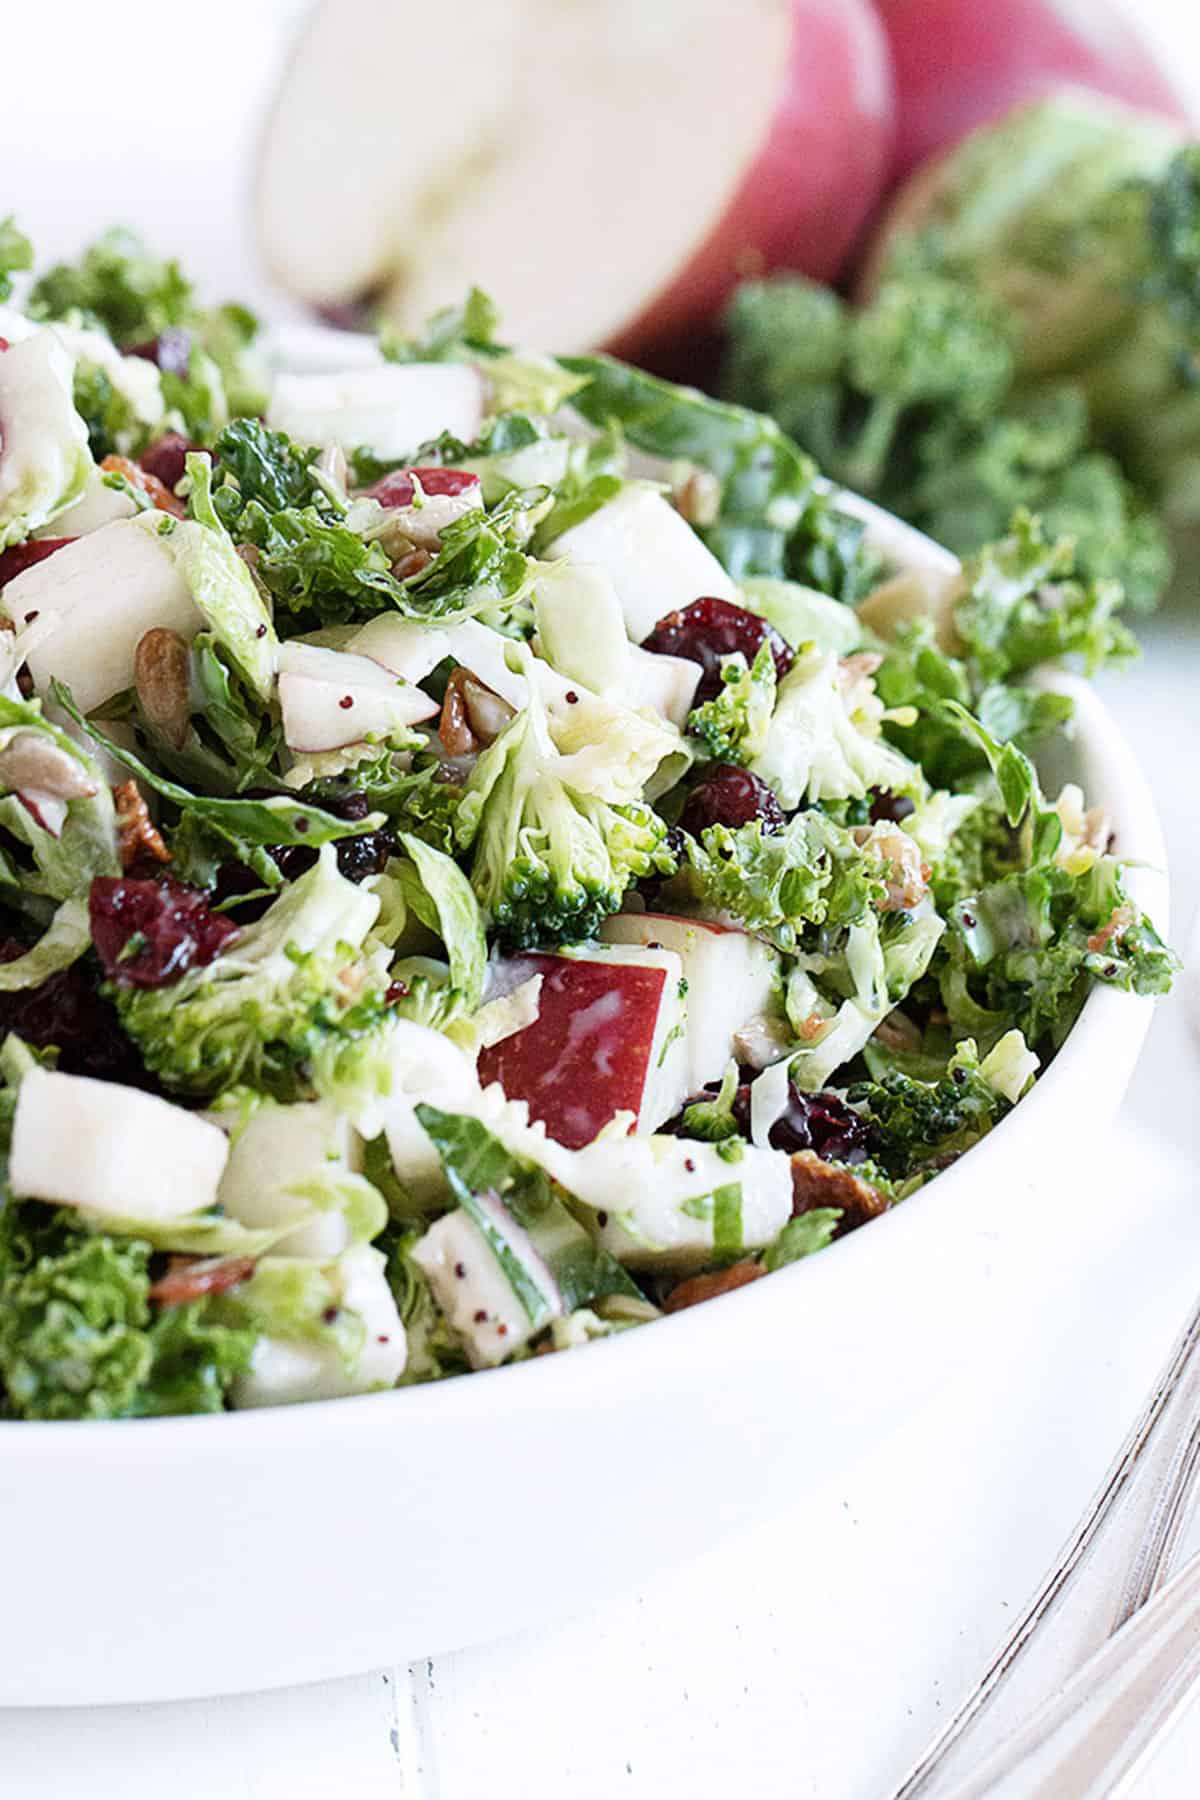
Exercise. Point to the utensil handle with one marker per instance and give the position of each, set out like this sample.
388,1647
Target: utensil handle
1093,1740
1121,1547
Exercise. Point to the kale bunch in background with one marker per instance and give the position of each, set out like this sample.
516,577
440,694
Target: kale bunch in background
913,401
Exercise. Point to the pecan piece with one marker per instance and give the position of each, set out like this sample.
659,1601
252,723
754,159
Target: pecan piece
194,1277
155,490
706,1287
816,1183
138,839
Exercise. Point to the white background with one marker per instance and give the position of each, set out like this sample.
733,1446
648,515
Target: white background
814,1656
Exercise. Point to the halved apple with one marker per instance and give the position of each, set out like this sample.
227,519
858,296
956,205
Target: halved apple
607,170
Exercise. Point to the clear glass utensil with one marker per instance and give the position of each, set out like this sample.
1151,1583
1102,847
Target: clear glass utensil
1115,1560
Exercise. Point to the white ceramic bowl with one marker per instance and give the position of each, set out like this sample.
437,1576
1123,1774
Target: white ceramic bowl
172,1558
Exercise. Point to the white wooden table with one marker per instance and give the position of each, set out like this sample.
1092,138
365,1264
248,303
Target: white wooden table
813,1656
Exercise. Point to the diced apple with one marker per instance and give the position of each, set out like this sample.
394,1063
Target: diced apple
769,126
422,502
666,684
284,1370
332,697
112,1151
731,979
404,646
651,555
673,1203
392,410
422,1065
609,1038
94,600
276,1150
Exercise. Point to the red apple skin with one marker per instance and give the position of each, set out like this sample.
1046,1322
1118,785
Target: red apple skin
19,557
961,63
576,1072
806,198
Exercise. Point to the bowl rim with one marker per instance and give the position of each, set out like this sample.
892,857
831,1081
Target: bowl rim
538,1382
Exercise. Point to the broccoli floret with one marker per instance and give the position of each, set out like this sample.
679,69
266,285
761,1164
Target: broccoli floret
776,883
732,726
556,836
80,1337
286,986
917,1123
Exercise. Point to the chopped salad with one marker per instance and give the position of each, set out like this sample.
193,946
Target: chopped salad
489,851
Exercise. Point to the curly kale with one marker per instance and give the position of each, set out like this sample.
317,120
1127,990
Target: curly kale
1021,607
80,1337
118,285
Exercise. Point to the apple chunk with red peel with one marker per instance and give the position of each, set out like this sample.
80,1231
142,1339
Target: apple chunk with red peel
676,146
609,1038
731,979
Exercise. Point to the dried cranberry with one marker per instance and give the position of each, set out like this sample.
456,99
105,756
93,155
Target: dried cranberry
888,808
166,458
147,933
19,557
365,854
709,629
171,350
67,1011
817,1122
823,1123
350,806
731,796
397,488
